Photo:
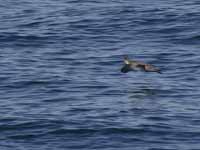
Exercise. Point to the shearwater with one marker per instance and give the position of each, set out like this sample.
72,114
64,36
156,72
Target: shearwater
132,65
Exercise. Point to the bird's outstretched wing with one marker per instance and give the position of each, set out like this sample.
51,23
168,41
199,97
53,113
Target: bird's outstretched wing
149,68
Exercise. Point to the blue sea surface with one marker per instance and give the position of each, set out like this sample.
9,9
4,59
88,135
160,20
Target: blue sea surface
60,82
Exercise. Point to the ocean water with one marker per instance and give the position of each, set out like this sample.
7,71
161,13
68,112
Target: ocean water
60,82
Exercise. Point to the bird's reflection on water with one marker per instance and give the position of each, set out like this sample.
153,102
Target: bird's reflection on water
142,92
143,96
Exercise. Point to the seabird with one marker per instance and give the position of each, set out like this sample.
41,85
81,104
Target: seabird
132,65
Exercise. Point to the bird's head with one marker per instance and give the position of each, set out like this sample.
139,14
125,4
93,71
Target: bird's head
126,61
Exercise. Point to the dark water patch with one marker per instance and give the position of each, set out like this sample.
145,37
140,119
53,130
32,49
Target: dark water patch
25,137
155,118
162,149
92,87
24,40
26,84
186,40
85,132
82,132
33,24
56,100
29,11
81,110
20,126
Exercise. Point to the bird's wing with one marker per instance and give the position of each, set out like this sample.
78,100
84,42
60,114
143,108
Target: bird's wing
148,67
125,68
142,66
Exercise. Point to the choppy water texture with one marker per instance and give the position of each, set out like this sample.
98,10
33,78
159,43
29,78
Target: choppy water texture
60,81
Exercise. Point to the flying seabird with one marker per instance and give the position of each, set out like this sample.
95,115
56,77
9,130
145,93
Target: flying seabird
132,65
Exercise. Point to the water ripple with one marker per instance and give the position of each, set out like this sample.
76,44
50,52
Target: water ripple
61,85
